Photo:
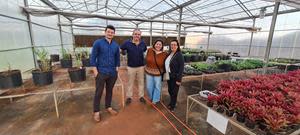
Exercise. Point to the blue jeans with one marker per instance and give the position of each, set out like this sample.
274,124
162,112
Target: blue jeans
153,87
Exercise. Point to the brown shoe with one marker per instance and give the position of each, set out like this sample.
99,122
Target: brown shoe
97,116
111,111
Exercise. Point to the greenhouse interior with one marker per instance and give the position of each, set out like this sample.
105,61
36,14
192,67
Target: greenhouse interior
228,67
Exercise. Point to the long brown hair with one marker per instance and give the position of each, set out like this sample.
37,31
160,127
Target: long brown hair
162,42
177,43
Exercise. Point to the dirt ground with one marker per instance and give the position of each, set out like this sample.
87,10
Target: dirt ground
35,115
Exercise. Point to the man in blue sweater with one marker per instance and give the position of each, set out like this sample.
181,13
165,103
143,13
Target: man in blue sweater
135,48
105,60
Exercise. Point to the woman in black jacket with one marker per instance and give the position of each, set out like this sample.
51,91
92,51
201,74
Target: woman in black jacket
174,65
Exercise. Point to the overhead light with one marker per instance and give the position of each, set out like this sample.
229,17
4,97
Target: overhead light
262,12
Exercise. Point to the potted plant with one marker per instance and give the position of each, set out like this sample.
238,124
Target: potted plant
85,58
10,78
77,73
43,75
187,57
275,120
195,57
254,114
211,99
66,61
54,57
224,65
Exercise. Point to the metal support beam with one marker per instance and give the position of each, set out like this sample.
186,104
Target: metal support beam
175,8
271,33
106,15
131,7
163,27
179,26
136,26
244,8
60,33
257,16
73,37
87,9
150,33
106,3
208,38
31,35
251,39
294,44
51,5
190,10
38,12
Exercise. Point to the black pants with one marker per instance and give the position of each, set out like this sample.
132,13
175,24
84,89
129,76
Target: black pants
173,91
109,82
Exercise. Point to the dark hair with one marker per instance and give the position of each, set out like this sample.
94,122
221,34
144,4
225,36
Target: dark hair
110,27
175,40
162,42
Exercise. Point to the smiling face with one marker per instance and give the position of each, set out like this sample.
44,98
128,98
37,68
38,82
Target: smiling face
174,46
109,34
158,46
136,35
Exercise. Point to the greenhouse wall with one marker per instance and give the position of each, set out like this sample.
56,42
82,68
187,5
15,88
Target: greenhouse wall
16,46
286,40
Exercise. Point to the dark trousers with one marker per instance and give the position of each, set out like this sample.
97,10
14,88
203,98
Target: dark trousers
173,91
109,82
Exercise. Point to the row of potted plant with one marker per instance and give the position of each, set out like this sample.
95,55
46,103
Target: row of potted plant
188,57
227,65
43,75
271,101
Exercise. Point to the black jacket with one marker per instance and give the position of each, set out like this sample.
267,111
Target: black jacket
177,66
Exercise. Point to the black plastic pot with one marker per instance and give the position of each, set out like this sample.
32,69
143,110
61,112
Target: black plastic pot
220,70
218,57
229,113
292,67
77,74
250,124
225,67
10,79
210,104
195,58
204,58
54,57
86,62
240,118
209,71
187,58
66,63
261,125
201,58
42,78
220,109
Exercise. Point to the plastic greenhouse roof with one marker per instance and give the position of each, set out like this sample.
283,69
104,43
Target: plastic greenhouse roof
202,11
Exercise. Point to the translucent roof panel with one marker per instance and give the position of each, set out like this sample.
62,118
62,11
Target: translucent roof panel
232,12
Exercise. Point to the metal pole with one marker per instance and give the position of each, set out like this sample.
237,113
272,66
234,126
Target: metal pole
106,15
208,38
60,33
294,45
251,39
163,26
150,34
73,37
271,33
31,35
179,26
